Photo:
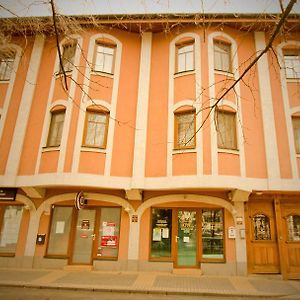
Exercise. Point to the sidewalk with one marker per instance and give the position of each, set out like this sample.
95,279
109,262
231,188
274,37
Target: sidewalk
151,282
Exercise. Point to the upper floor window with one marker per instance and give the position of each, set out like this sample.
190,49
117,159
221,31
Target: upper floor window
292,64
296,127
185,130
56,128
68,54
104,57
222,56
96,127
6,64
185,56
226,129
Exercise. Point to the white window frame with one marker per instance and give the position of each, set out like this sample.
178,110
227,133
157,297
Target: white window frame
104,58
224,55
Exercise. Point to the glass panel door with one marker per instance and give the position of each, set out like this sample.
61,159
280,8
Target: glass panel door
84,236
186,239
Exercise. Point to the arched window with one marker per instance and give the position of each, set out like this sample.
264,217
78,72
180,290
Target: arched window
222,56
292,62
185,55
56,126
296,129
261,227
104,56
96,127
293,228
7,58
68,54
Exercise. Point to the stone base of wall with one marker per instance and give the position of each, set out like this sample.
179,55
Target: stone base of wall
49,263
219,269
106,265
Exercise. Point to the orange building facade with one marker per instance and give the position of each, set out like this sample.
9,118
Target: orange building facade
166,183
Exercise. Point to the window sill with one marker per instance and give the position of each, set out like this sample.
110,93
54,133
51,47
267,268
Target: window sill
225,73
293,80
92,149
7,254
298,155
60,74
103,74
187,150
229,151
213,260
4,81
50,149
184,73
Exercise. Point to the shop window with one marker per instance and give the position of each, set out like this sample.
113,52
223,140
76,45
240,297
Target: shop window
60,231
68,54
226,130
261,227
292,64
161,237
293,225
212,234
10,220
7,59
109,233
185,130
96,128
296,128
185,57
104,57
56,128
222,56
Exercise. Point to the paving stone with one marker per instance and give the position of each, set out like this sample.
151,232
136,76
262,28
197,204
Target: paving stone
20,275
273,286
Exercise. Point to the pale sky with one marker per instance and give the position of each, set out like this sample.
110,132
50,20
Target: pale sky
112,7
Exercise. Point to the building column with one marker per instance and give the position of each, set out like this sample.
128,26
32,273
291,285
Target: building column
239,198
133,243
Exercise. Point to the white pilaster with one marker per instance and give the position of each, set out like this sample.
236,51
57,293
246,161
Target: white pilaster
142,112
272,159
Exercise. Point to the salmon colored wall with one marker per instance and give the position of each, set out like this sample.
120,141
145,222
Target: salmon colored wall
157,127
144,242
59,91
229,243
206,130
298,163
222,84
92,162
252,116
229,164
184,164
38,110
123,143
280,124
12,113
184,88
124,236
101,87
40,250
49,161
294,94
3,90
23,233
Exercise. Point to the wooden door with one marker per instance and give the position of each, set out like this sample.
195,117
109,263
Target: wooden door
262,247
291,239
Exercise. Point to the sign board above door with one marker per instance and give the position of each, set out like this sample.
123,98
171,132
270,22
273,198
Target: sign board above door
8,194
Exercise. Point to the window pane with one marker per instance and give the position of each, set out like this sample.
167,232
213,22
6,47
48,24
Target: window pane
261,226
212,234
56,128
104,59
181,62
226,130
189,61
60,230
292,66
109,232
161,239
296,126
222,54
293,225
6,67
185,58
186,130
10,228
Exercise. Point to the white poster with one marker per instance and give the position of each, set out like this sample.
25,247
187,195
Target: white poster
156,234
60,227
165,233
186,239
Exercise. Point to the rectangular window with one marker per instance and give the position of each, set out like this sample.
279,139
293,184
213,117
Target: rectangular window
296,127
56,128
212,234
185,130
96,129
222,56
109,233
68,54
161,238
60,231
10,220
104,58
185,58
226,130
292,65
6,65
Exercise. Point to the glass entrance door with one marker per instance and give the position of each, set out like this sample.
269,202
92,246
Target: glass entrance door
84,237
186,239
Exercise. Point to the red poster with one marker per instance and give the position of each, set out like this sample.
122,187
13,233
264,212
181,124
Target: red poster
109,241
